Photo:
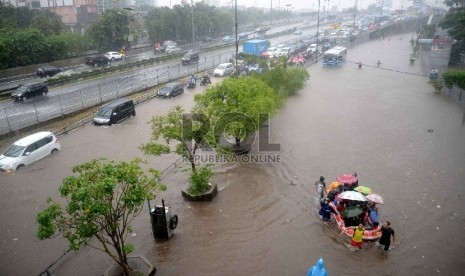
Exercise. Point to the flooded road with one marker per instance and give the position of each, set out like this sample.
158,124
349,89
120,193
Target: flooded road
403,141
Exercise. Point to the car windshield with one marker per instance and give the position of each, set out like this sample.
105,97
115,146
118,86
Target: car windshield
167,88
104,113
22,88
14,151
221,67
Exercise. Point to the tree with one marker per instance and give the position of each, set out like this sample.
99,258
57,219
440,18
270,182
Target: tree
102,200
190,131
48,23
236,107
112,30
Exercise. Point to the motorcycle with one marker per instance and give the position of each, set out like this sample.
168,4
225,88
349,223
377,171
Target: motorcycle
192,83
205,80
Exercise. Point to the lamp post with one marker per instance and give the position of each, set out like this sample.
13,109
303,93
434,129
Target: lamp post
235,33
192,11
317,32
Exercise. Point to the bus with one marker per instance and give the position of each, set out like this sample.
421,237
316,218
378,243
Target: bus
334,56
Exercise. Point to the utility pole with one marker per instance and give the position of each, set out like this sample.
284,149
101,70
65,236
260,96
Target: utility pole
271,13
192,9
235,32
317,33
355,15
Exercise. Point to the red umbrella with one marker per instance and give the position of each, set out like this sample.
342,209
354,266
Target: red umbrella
347,178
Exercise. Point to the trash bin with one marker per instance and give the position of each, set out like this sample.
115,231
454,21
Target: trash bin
163,221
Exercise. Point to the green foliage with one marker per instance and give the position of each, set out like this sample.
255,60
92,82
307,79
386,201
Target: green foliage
103,197
175,126
176,23
48,23
236,106
285,81
199,180
112,30
455,20
456,77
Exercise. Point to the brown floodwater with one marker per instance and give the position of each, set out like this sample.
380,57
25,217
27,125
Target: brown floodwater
403,141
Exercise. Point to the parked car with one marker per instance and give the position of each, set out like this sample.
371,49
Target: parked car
189,58
171,49
169,43
113,56
29,149
29,90
298,32
97,60
223,69
228,39
171,89
48,71
114,112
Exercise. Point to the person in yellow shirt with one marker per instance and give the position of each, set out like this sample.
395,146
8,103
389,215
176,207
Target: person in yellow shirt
357,237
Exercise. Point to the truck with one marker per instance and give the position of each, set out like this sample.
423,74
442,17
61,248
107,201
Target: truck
255,46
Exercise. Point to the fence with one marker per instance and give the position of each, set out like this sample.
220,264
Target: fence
22,115
456,93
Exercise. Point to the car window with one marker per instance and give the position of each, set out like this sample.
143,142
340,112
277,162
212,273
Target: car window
105,113
14,151
42,142
32,147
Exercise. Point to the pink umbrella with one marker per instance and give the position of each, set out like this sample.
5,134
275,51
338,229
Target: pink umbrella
347,178
375,198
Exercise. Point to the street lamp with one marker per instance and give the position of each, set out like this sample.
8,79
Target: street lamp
235,32
317,32
192,11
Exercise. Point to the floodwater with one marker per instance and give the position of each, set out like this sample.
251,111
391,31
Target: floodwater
403,141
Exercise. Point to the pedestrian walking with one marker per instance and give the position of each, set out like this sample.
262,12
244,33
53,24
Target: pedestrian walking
357,238
320,188
318,269
386,233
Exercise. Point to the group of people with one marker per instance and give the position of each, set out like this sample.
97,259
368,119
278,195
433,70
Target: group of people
384,242
367,220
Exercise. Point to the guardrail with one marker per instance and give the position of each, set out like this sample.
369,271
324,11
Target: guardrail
23,115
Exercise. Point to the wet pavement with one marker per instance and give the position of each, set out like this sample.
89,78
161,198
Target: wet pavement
403,141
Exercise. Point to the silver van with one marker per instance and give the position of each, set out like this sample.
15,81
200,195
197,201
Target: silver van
29,149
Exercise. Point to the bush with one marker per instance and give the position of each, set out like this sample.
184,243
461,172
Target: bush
199,180
454,77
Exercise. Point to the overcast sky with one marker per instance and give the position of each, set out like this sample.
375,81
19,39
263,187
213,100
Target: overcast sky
305,4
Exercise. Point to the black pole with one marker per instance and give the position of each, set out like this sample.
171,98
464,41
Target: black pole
317,33
237,41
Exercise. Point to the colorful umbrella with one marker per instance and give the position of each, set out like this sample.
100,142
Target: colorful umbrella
334,185
352,211
347,178
363,189
375,198
352,195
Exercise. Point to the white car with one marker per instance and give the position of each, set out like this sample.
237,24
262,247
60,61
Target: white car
29,149
171,49
223,69
113,56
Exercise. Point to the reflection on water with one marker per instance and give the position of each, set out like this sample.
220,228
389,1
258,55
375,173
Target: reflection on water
371,121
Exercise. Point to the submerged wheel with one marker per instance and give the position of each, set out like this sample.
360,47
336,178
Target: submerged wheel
20,166
54,151
173,222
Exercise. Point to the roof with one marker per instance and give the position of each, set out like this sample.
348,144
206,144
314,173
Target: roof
256,41
117,102
31,138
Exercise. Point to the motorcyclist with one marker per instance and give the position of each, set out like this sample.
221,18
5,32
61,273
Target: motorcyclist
192,81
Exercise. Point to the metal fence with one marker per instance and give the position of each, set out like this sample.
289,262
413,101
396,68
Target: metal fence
456,93
22,115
